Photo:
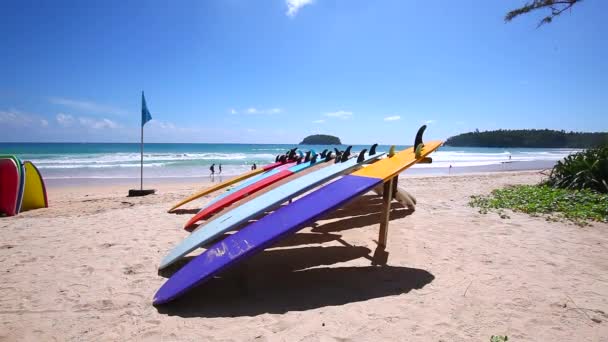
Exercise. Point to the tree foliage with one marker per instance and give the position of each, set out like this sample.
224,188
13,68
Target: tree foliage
556,7
528,138
321,139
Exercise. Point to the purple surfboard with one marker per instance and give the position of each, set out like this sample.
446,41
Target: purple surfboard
263,233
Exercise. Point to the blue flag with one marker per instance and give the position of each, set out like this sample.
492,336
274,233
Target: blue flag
145,113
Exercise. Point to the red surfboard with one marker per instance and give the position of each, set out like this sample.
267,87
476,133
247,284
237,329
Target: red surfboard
236,196
9,187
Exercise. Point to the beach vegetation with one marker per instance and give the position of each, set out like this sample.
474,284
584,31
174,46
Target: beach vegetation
539,138
499,338
583,170
555,204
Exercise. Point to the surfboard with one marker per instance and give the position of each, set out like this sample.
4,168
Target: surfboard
9,186
34,191
266,231
21,172
227,183
270,178
255,207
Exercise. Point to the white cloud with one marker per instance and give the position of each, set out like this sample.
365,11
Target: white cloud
162,124
430,122
9,115
87,106
97,123
64,119
319,121
253,110
341,114
392,118
293,6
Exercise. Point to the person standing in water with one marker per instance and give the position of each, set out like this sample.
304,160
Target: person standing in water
220,169
212,169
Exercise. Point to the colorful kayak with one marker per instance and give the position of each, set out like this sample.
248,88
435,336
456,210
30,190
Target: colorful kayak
232,181
255,207
286,220
234,196
10,180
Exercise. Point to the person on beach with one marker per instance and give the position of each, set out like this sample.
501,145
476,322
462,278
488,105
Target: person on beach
212,169
253,167
220,167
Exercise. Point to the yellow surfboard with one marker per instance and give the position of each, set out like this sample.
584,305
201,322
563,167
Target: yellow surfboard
34,191
390,167
217,187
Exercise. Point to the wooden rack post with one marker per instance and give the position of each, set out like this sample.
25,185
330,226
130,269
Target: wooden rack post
387,198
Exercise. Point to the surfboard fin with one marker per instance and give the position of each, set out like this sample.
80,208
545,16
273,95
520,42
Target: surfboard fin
427,160
277,158
292,154
418,144
346,154
323,153
314,159
391,151
372,150
307,158
338,157
328,156
362,156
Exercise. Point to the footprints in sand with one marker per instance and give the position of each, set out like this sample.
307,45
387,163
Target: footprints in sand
133,269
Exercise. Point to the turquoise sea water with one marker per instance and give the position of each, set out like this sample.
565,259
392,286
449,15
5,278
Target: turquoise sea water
122,160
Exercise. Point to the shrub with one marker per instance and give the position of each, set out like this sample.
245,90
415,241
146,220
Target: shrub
582,170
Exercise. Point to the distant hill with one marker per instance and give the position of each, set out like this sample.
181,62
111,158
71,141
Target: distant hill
528,138
321,139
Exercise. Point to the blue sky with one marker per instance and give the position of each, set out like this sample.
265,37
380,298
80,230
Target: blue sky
274,71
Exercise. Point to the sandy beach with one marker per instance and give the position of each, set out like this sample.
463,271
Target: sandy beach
85,269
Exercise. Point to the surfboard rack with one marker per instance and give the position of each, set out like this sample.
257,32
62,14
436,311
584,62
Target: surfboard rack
390,192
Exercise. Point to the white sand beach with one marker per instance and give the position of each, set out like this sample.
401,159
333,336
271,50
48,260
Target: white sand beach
85,269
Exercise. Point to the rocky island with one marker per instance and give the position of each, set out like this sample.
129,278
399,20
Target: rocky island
321,139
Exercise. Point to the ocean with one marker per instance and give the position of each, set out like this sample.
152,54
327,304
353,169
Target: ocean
122,160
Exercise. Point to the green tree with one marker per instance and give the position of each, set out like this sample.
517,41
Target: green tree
556,7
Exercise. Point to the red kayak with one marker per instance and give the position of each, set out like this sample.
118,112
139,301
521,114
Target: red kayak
9,187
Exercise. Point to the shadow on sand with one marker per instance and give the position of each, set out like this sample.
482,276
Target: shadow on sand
277,281
281,280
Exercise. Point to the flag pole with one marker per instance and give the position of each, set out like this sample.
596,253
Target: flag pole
145,117
141,170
